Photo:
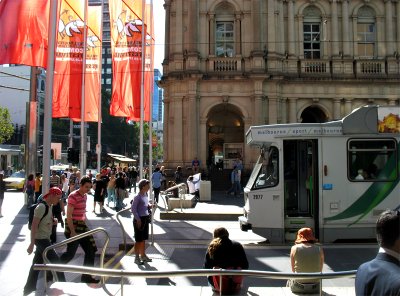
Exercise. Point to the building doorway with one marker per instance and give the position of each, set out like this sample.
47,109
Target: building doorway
313,114
225,140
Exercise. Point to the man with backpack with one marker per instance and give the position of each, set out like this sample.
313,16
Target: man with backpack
41,222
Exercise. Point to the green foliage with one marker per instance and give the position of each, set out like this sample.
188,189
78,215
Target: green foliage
6,127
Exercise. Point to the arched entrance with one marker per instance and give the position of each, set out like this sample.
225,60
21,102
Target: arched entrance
225,135
313,114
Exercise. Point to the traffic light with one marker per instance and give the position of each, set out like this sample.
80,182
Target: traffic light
73,155
76,157
70,154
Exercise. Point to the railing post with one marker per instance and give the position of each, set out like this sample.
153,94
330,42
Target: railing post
220,283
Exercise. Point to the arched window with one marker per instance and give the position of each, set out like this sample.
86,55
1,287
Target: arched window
312,33
224,30
366,32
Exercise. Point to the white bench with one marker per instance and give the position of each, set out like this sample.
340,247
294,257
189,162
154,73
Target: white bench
188,201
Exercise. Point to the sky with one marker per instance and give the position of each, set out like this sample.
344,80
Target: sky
159,31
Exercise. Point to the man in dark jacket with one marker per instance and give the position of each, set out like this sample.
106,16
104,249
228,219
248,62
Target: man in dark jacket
381,276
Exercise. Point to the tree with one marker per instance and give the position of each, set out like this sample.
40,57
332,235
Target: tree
6,127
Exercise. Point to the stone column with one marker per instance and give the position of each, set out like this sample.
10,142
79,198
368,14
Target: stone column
273,110
292,110
281,29
238,34
167,7
300,36
247,150
255,15
271,27
355,46
389,27
380,37
345,27
192,25
348,106
336,109
398,25
192,127
258,110
324,44
165,127
203,140
291,40
212,33
284,112
178,46
335,28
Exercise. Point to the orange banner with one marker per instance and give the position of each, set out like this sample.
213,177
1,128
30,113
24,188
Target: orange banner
126,57
67,90
93,65
149,66
24,32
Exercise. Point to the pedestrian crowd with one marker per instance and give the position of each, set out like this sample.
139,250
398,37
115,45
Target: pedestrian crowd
67,197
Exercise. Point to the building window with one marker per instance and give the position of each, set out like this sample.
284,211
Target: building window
224,39
366,32
108,70
366,40
312,43
108,81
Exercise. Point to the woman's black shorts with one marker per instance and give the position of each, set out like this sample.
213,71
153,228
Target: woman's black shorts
142,233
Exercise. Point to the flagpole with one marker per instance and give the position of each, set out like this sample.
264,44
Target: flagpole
141,155
151,116
48,102
83,128
98,148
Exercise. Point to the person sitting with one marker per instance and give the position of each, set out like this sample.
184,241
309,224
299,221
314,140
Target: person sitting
381,276
227,254
306,256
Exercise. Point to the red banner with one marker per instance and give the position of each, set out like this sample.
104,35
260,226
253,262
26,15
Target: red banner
126,56
67,90
24,32
149,66
93,65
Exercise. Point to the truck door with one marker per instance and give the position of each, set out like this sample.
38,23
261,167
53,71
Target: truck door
300,163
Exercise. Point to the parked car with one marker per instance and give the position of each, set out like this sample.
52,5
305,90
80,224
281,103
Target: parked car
16,181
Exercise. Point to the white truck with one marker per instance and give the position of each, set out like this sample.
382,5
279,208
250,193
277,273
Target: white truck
335,177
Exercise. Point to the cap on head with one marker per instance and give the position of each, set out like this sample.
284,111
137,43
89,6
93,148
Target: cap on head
53,191
305,235
143,183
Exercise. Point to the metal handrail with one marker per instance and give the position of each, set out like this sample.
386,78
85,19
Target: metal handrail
182,190
121,225
75,238
193,272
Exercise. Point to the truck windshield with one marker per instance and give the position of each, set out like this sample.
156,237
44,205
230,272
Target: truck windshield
266,171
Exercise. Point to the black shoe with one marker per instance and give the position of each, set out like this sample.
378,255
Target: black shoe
90,280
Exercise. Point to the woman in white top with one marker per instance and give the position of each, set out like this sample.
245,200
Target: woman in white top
65,187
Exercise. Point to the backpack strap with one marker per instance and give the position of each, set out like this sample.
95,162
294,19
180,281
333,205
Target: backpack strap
46,211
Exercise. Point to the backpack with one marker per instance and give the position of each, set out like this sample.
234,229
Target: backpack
32,213
30,189
230,284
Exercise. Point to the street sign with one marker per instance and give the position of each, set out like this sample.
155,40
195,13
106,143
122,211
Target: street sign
79,126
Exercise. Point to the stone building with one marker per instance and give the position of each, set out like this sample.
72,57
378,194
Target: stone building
230,64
